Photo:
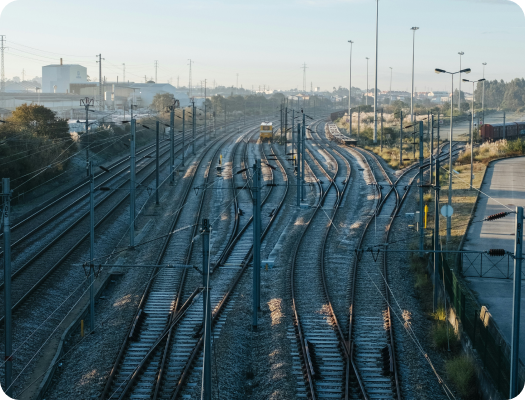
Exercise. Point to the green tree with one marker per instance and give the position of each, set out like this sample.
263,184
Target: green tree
37,120
161,101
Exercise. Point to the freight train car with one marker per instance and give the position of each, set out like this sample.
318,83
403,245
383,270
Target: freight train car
509,130
337,115
332,133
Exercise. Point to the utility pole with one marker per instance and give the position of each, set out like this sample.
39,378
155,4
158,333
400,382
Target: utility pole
449,219
437,187
303,149
471,135
132,186
256,242
414,29
205,114
87,102
350,92
101,105
172,139
431,147
482,96
91,247
193,127
421,203
157,155
299,165
6,194
366,98
515,339
400,138
156,66
183,133
206,311
237,85
124,73
459,97
381,140
2,48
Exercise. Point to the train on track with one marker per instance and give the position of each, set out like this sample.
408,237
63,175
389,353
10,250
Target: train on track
266,132
509,130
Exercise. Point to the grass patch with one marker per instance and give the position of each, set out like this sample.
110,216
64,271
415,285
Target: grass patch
490,151
461,371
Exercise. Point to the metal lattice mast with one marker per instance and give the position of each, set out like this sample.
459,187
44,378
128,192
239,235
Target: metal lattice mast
156,67
123,73
2,88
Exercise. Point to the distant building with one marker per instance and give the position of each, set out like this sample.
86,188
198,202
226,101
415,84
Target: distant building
57,78
317,89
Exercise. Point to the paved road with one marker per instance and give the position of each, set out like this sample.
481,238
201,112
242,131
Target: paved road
505,184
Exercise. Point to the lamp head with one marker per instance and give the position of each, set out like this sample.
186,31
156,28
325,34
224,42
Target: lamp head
465,80
461,53
466,71
414,28
439,71
481,80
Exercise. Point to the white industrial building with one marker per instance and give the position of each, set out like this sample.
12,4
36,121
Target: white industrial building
57,78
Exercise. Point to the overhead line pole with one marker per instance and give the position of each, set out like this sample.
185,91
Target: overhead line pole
206,317
515,339
132,186
375,85
8,334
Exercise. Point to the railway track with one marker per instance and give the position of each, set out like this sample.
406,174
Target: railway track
39,265
183,339
141,355
320,364
370,332
186,384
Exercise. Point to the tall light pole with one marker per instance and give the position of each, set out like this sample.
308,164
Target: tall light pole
414,29
472,128
483,94
349,93
459,96
439,71
366,98
375,84
390,84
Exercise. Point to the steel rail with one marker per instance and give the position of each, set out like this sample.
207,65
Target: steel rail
220,307
307,375
150,281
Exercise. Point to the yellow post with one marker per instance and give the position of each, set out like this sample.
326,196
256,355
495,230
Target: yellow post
426,212
220,160
82,327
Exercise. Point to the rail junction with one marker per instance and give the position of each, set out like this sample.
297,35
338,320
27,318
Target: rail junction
341,339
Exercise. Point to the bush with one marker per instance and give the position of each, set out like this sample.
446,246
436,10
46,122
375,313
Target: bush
462,372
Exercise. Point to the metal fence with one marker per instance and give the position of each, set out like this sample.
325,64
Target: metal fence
486,341
481,265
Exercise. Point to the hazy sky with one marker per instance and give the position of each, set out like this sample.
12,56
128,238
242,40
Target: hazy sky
266,42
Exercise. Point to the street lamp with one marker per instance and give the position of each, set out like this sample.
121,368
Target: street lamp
459,97
366,99
414,29
350,93
472,128
375,83
442,71
483,95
